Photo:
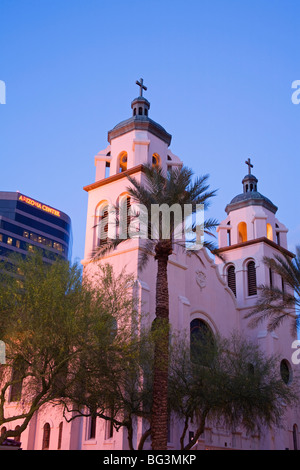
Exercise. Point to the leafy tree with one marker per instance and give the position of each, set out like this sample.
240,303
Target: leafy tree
279,303
50,320
229,382
115,384
156,188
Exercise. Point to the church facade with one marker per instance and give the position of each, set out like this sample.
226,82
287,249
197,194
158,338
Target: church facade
217,293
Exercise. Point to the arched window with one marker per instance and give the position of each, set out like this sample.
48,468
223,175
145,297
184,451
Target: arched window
18,437
123,162
60,430
269,232
124,216
285,371
295,436
109,427
46,437
155,160
231,279
92,426
242,232
251,277
102,226
201,341
17,380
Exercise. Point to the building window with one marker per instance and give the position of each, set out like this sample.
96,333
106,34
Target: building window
269,232
92,427
60,430
201,341
155,160
9,240
285,371
295,436
123,162
228,238
46,437
109,428
251,275
231,279
242,232
103,226
18,437
107,169
16,387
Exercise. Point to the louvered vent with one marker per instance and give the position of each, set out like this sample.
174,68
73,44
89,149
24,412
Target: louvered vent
128,216
252,288
231,279
103,228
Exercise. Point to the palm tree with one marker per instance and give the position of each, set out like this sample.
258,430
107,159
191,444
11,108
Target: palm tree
280,303
177,187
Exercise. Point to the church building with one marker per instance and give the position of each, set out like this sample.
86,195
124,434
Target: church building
213,293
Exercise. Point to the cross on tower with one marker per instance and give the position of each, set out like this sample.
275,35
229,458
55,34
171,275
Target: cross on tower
248,162
141,85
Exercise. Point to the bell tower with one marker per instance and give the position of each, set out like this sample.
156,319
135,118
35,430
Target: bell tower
249,232
133,143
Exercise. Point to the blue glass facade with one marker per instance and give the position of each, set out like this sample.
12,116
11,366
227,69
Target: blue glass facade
26,223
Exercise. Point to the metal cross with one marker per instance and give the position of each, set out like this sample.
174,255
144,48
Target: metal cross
248,162
141,85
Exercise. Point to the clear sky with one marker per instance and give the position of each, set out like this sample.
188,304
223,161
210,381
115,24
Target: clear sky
219,76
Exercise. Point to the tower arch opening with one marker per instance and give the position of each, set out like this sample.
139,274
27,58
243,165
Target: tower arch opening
123,161
242,232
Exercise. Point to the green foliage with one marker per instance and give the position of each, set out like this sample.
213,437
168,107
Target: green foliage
279,303
232,384
53,323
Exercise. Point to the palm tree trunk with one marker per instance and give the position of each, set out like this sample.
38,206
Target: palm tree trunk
159,421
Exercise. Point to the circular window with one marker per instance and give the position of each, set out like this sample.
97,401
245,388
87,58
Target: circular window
285,371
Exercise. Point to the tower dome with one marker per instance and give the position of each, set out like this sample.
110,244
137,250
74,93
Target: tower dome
250,196
140,120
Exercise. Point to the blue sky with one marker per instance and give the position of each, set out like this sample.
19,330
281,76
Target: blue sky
219,76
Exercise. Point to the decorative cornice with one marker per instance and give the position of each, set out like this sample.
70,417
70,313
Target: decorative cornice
252,242
113,178
139,123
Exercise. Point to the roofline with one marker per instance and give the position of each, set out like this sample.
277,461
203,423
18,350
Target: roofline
15,196
136,123
116,177
267,204
252,242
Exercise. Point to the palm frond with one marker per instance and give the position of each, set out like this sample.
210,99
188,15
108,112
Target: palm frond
276,305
